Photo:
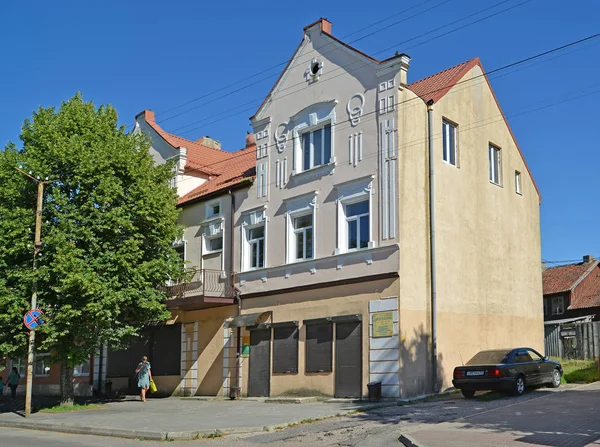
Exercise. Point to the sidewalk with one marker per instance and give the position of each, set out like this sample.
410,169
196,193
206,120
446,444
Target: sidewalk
176,418
568,419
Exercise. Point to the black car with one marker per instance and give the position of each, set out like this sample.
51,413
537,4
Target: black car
506,370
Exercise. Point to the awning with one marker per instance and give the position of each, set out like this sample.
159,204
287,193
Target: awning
584,319
249,319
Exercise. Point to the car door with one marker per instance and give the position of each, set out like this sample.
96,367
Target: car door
527,366
544,368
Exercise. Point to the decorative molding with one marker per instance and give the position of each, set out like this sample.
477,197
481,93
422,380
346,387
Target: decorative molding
281,137
313,174
355,112
355,148
314,71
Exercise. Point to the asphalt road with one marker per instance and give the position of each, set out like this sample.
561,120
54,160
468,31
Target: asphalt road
380,427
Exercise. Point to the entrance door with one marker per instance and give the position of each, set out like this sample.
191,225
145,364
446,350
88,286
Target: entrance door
260,362
348,359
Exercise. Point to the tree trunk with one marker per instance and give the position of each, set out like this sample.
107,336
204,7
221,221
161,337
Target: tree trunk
67,392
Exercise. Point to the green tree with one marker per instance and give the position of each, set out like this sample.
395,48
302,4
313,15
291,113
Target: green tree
109,221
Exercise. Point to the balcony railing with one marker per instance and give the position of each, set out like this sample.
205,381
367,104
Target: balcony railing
202,282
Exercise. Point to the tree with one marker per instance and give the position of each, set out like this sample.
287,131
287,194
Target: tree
109,221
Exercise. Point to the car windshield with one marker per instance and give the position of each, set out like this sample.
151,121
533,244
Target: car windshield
488,358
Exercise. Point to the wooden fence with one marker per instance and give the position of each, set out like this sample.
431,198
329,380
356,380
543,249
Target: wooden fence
573,341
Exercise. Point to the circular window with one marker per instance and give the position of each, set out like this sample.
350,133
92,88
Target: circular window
315,67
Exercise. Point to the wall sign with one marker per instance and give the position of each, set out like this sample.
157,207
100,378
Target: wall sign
383,324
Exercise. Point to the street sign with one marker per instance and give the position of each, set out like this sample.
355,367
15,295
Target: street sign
33,319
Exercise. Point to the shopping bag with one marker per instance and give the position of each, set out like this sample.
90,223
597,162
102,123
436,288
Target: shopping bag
153,388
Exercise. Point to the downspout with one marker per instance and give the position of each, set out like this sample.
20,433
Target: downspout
434,369
238,298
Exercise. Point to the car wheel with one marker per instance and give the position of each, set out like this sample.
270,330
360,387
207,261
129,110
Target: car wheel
519,387
468,393
556,376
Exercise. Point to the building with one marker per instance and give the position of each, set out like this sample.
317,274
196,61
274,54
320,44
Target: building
572,291
372,229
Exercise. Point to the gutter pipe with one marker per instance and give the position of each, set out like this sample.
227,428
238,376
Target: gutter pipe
432,254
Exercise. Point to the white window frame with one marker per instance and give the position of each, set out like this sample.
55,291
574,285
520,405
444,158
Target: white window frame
251,242
209,239
447,128
349,193
251,219
41,357
209,209
311,134
558,302
310,119
357,218
89,364
296,232
299,207
495,164
518,184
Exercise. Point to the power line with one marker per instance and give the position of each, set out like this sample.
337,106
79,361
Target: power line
363,64
283,63
510,65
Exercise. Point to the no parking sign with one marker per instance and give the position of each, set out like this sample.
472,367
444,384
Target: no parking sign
33,319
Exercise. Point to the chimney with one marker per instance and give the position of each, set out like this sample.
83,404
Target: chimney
323,24
250,140
588,259
209,142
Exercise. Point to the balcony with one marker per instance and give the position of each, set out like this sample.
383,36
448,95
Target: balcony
201,288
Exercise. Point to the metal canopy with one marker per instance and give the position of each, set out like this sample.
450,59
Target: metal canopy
249,319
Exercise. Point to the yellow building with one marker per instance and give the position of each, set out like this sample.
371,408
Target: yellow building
371,230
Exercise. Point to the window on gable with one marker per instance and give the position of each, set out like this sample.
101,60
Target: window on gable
495,165
357,221
213,209
303,237
449,143
517,182
558,305
256,243
316,147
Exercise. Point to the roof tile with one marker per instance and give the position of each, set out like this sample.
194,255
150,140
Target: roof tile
563,278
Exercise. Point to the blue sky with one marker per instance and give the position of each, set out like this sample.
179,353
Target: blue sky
158,55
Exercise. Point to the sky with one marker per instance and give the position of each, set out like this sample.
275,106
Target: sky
222,58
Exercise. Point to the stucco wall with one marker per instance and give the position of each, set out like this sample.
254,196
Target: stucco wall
488,236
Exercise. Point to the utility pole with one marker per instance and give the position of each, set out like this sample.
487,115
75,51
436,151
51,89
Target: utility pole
36,252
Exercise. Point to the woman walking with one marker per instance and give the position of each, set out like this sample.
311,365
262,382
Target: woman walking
13,382
144,377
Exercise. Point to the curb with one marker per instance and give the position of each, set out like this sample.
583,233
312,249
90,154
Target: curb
409,441
290,400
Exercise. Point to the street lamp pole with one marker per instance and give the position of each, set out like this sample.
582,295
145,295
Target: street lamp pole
36,252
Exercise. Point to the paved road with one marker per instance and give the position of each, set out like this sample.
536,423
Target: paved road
553,418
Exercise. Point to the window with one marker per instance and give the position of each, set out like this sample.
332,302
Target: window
535,356
215,244
180,250
83,369
495,165
547,307
21,365
449,142
256,242
303,237
558,305
357,221
285,349
316,147
517,182
319,343
213,209
40,366
523,357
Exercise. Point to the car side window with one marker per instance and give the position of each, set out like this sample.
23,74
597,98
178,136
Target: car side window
535,356
522,357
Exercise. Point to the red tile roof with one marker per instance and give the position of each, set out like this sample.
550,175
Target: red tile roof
434,87
199,156
563,278
588,292
238,168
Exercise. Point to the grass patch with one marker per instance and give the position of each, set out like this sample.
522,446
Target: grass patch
302,392
66,408
579,371
214,435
